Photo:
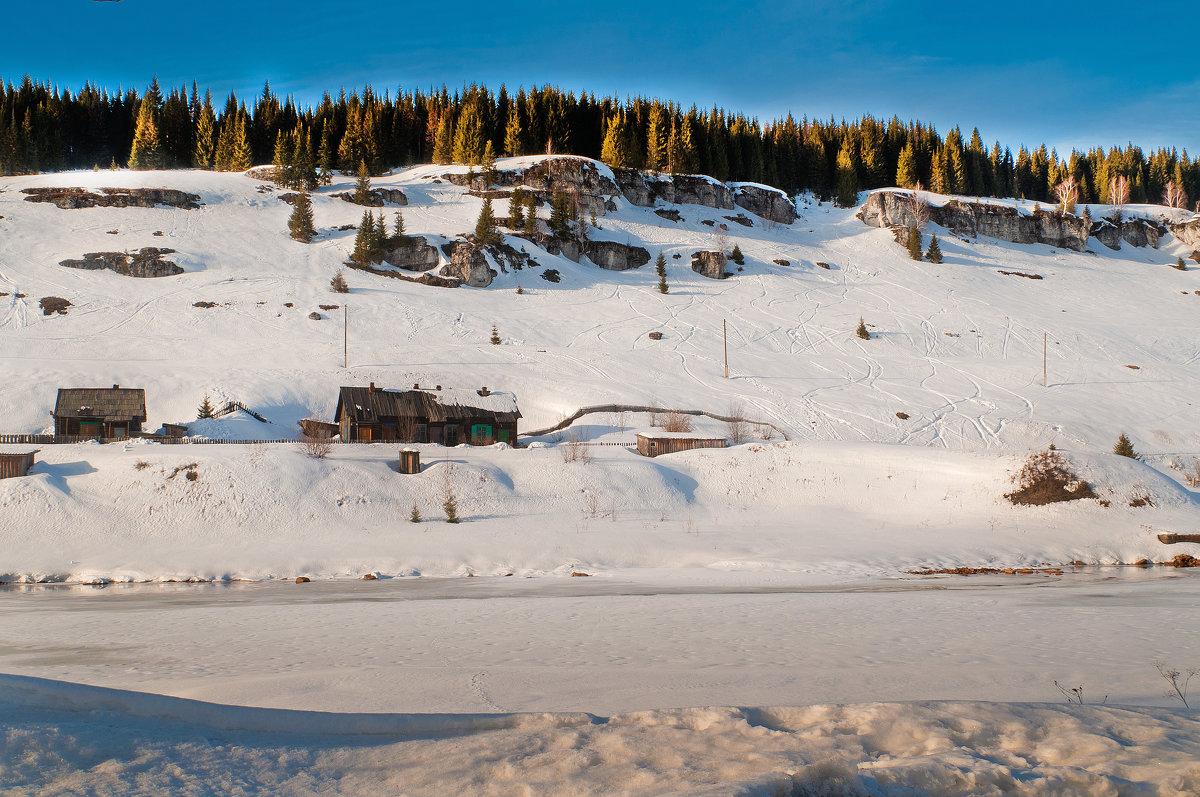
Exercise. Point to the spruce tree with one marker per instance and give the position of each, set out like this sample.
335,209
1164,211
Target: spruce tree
415,515
364,240
736,255
516,210
560,216
202,154
242,158
914,242
862,330
614,150
147,152
495,338
906,167
325,162
847,177
486,233
513,134
398,234
338,283
443,140
468,136
450,507
489,165
1124,448
660,268
934,253
531,217
205,410
300,224
362,187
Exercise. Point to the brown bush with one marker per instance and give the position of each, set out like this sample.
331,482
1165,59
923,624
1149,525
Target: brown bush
1184,560
677,422
54,304
1046,478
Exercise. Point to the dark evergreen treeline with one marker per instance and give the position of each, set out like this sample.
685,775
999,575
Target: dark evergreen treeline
45,128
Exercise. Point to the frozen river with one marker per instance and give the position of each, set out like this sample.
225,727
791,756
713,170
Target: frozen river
613,644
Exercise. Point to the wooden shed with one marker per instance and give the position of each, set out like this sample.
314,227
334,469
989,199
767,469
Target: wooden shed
99,411
13,465
447,416
652,445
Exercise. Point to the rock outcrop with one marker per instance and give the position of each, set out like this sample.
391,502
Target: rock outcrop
710,264
469,264
576,176
1188,231
768,203
379,197
146,263
1003,222
72,198
1133,231
613,256
413,253
644,190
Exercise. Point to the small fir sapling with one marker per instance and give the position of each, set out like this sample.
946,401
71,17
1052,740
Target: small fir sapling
862,331
415,515
660,268
934,253
1124,448
736,255
495,338
338,283
301,223
206,408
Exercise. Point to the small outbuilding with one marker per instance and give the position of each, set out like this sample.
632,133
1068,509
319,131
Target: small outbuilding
447,416
13,465
99,411
652,445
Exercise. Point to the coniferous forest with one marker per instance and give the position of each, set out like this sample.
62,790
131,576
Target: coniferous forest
46,128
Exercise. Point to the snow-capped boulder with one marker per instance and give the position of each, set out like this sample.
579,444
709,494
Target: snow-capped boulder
710,264
768,203
413,254
146,263
1188,232
469,264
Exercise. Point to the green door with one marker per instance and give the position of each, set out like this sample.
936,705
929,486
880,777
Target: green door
481,434
89,428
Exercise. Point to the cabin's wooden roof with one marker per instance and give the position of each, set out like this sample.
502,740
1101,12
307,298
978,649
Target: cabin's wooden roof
109,403
367,405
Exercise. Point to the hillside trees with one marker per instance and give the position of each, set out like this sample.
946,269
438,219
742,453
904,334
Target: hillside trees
146,151
44,127
300,223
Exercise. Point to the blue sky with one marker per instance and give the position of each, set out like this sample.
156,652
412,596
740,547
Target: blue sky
1069,74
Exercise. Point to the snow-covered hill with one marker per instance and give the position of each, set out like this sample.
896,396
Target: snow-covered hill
955,362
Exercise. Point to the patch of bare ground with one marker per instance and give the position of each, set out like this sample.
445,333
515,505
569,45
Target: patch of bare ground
987,571
1046,478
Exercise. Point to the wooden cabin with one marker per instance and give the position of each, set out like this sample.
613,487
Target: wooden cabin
99,411
13,465
652,445
446,416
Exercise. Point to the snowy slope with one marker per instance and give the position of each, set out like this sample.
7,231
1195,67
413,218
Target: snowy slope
957,347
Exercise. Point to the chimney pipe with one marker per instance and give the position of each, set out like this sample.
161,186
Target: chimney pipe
116,387
372,388
416,385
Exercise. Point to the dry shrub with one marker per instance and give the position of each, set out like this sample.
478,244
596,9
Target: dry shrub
192,476
314,439
1184,560
142,464
1046,478
739,429
676,421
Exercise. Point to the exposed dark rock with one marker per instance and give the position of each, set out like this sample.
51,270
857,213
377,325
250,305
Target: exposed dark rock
823,265
768,203
413,253
1003,222
158,233
146,263
345,227
551,275
671,215
469,264
614,256
204,305
578,177
1133,231
656,336
289,197
710,264
741,219
379,197
782,262
1021,274
71,198
708,222
643,189
314,315
509,257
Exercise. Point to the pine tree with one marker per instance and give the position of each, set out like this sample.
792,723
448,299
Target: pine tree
486,232
934,253
415,515
398,234
531,217
450,507
660,268
614,151
656,139
914,242
362,186
300,224
443,141
147,151
364,240
516,210
325,161
206,409
468,135
862,331
906,167
847,176
495,338
338,283
489,165
736,255
1124,448
560,216
242,158
513,134
202,154
520,291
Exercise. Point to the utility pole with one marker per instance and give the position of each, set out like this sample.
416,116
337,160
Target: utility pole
725,337
346,336
1044,380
